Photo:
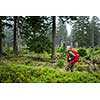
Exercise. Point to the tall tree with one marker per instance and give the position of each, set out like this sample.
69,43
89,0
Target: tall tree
95,31
2,24
81,32
64,19
53,37
15,48
61,33
34,31
8,40
0,35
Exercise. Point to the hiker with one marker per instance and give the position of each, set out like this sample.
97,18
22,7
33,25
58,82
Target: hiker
73,57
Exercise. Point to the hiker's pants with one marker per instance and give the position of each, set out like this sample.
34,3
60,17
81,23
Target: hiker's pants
70,67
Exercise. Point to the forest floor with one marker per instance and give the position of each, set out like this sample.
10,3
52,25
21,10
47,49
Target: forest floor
47,71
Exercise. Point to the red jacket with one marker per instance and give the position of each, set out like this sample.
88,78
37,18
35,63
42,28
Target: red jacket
73,56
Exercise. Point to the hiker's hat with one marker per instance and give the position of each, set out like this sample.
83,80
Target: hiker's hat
69,47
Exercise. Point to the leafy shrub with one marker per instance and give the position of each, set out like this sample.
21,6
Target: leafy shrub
60,63
87,57
60,50
82,52
82,68
97,52
25,52
28,74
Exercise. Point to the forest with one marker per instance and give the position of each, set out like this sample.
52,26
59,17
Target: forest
33,49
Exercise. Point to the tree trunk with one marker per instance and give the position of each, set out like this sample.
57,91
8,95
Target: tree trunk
54,37
15,35
19,35
0,45
0,36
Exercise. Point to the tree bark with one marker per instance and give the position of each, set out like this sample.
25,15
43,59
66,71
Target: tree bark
0,36
15,35
54,37
0,45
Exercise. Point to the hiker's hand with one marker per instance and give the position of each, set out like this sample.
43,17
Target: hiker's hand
69,58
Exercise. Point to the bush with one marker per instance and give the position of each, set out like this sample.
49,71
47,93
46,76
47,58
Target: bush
25,52
82,52
97,52
60,50
28,74
60,63
87,57
82,68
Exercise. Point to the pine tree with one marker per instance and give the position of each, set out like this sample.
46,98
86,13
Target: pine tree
34,31
15,48
61,33
64,19
53,37
2,24
81,32
95,31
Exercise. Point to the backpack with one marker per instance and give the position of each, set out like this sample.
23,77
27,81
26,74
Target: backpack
73,54
77,55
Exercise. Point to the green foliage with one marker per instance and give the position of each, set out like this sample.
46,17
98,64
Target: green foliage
28,74
82,68
94,52
82,52
95,30
60,50
31,67
34,32
86,33
87,57
60,63
39,44
97,52
81,32
61,32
